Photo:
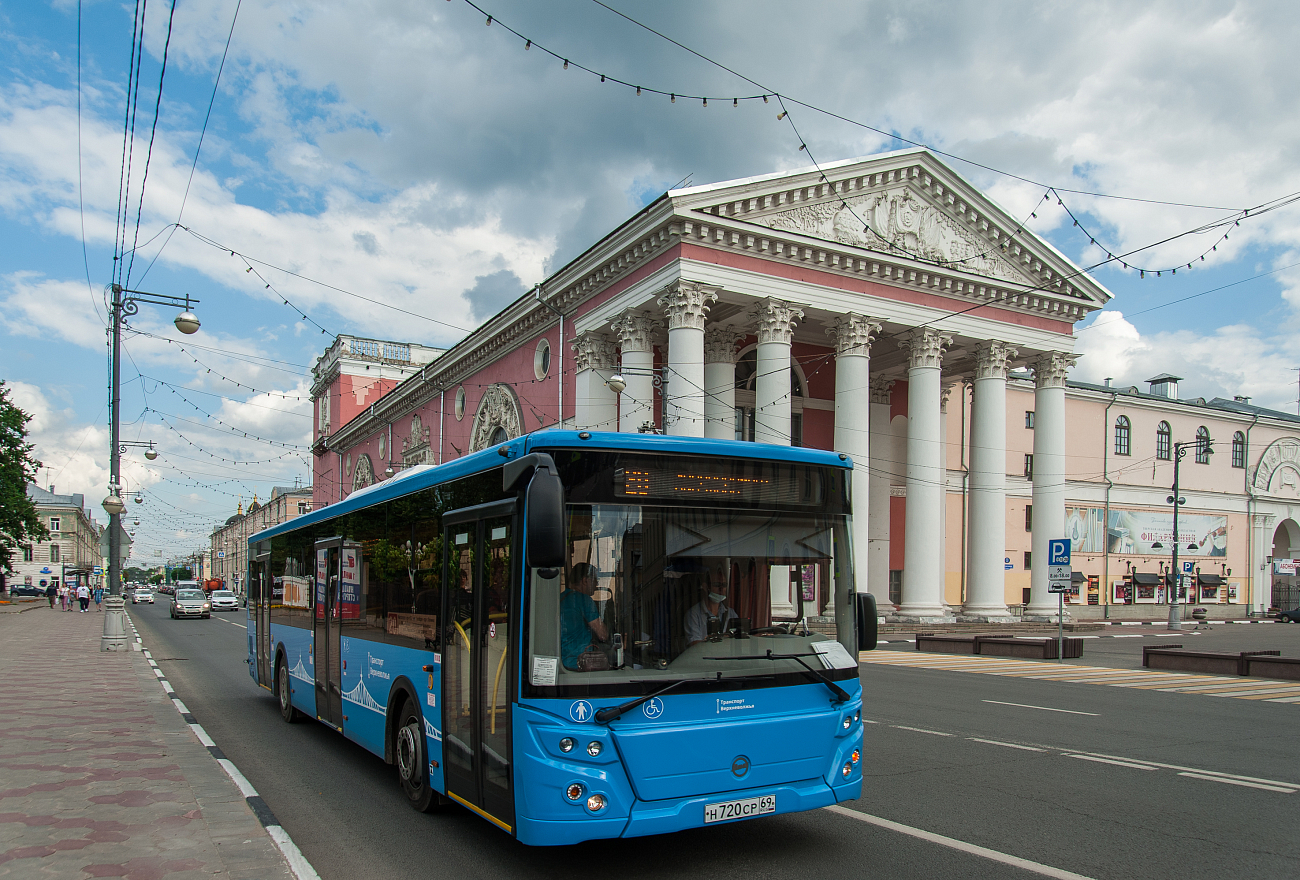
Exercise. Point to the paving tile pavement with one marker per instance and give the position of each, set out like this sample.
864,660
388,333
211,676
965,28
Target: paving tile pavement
99,774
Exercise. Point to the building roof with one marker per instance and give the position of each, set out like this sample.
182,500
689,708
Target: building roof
1237,407
1164,377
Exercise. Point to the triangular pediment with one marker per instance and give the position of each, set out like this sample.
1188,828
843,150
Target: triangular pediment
908,205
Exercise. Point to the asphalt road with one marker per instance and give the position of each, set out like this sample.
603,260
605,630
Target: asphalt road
1076,792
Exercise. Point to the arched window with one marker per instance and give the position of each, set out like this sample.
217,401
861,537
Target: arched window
1123,433
1239,450
1202,445
1164,442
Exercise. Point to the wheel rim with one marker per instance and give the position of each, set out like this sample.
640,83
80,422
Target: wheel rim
407,752
284,688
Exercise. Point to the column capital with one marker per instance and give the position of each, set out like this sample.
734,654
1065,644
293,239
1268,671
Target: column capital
993,359
882,390
853,334
944,391
1051,368
636,330
926,346
686,303
593,350
776,320
720,345
1264,520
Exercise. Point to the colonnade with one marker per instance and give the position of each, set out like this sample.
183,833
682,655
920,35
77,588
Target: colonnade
698,387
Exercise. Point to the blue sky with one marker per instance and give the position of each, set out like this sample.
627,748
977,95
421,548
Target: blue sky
410,154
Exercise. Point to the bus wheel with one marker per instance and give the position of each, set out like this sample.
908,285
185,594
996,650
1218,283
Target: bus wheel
412,761
282,690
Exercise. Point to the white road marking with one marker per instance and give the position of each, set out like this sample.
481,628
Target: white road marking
1043,708
232,623
302,868
1127,637
994,742
1214,773
1228,781
1097,760
959,845
920,730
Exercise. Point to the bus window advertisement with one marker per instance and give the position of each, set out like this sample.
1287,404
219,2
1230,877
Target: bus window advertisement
350,592
322,575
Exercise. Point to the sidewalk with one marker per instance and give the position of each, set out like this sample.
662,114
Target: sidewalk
100,775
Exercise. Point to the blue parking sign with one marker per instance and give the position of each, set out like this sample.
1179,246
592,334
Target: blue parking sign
1058,551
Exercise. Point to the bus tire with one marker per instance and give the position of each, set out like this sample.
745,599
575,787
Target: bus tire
411,757
283,689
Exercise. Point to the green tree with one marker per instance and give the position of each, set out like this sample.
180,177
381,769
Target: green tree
19,523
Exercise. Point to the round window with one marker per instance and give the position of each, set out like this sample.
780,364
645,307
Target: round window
460,403
542,359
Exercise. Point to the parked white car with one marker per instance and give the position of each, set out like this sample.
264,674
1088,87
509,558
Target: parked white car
224,600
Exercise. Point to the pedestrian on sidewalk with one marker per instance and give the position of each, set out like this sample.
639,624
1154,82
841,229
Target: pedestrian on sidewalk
63,597
49,594
99,597
83,596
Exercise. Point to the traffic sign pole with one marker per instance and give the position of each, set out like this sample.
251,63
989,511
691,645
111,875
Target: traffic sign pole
1059,578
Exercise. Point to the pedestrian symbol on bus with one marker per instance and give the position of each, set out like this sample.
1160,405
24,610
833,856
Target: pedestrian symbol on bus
580,711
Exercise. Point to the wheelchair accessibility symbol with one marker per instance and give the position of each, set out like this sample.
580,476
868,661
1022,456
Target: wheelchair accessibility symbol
653,708
580,711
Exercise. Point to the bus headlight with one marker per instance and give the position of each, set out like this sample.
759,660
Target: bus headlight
846,770
594,748
566,744
596,803
856,756
848,721
575,792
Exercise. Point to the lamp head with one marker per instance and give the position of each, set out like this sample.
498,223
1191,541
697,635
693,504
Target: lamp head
151,454
113,505
187,322
616,383
388,471
139,499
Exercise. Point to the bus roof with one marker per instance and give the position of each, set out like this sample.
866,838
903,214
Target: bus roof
423,476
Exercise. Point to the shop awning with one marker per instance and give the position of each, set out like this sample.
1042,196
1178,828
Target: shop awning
1209,580
1146,579
1077,577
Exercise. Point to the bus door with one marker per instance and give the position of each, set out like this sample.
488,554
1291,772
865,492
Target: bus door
477,658
259,609
325,632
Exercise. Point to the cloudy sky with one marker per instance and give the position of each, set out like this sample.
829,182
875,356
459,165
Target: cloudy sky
362,155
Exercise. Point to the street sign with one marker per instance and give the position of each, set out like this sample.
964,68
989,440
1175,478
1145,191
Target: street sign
1189,567
1058,565
123,543
1006,563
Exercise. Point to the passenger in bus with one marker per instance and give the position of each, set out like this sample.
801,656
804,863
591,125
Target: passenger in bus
712,607
580,621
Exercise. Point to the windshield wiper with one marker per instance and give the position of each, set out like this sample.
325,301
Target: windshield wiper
839,692
609,713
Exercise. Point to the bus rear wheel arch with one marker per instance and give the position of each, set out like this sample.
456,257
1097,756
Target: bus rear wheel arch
411,755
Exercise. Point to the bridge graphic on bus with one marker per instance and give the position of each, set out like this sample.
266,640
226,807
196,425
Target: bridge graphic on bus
361,697
300,672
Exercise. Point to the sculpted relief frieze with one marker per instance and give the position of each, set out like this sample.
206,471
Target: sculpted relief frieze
1278,471
901,223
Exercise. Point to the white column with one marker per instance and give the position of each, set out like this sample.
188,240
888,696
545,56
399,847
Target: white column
595,405
776,321
636,331
853,336
986,598
1261,574
945,391
685,303
883,466
922,588
720,382
1050,371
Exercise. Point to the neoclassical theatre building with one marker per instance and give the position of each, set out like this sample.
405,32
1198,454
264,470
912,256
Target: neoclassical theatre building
876,307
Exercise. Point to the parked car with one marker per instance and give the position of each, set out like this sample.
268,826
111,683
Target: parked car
191,603
26,590
166,589
224,600
1292,616
142,594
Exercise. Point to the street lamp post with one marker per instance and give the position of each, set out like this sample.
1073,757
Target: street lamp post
1180,450
124,304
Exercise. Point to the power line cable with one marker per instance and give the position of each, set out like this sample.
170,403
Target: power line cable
153,130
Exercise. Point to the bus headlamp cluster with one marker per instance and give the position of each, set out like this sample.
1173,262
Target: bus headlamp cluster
848,721
847,770
596,803
566,744
594,748
575,791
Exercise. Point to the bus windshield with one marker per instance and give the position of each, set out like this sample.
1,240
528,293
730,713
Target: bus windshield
654,594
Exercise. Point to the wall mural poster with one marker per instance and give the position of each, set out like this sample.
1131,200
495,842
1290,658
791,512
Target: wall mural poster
1134,531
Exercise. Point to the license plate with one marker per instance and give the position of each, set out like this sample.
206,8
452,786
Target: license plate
740,809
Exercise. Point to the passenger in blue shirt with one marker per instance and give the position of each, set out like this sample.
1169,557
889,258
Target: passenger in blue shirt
580,621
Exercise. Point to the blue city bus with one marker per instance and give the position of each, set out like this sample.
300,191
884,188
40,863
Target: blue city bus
580,635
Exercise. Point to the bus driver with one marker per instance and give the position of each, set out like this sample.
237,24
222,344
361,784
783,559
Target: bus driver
580,620
712,607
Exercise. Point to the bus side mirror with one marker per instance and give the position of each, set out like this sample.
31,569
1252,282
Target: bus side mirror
867,622
545,522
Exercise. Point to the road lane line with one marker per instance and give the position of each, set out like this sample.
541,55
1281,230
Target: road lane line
920,730
1241,782
994,742
1215,773
1097,760
1044,708
232,623
960,845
